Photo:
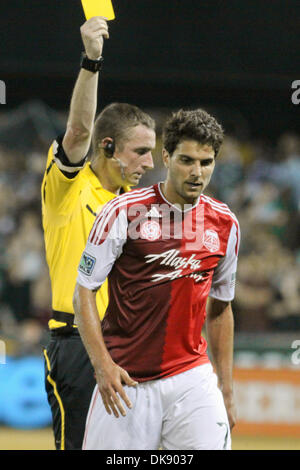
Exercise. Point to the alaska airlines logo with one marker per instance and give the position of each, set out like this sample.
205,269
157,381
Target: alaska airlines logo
179,263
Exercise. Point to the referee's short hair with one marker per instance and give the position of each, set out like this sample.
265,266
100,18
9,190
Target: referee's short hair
194,125
116,120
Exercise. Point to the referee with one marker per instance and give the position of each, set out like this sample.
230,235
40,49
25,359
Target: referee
73,192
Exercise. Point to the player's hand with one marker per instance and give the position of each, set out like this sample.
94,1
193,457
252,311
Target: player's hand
110,378
231,410
92,32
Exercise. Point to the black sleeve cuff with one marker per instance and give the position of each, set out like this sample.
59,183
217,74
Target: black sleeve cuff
70,170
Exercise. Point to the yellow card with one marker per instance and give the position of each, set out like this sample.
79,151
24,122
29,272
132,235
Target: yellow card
98,8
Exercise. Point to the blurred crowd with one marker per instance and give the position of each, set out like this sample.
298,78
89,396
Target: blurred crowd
259,181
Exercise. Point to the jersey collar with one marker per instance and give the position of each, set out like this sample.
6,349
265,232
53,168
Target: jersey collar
172,205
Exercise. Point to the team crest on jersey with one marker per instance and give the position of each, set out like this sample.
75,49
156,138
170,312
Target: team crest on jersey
150,230
211,240
87,264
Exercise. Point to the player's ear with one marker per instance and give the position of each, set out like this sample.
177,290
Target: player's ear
165,157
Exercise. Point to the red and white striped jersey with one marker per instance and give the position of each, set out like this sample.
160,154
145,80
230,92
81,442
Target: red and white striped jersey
162,263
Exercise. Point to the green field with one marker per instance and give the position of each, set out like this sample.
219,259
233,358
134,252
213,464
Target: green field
41,439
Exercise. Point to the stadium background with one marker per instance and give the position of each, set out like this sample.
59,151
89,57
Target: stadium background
235,59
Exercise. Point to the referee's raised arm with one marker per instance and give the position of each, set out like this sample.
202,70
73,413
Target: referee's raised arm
77,139
73,192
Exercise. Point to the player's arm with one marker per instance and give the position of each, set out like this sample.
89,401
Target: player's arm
67,154
220,321
77,139
104,246
220,334
109,375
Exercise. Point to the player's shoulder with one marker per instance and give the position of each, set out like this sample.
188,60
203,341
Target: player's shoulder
136,196
221,209
121,203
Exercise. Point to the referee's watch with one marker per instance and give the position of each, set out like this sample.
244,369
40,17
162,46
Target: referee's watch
89,64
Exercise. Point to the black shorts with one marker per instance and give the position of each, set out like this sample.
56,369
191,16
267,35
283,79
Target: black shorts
69,384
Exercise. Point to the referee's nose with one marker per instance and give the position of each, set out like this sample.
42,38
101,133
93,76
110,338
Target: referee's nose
147,162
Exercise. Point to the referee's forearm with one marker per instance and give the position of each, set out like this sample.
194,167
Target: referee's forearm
81,117
84,102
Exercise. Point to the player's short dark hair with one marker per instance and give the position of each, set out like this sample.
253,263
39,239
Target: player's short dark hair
192,125
115,120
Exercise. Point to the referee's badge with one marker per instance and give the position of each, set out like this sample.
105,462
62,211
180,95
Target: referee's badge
87,264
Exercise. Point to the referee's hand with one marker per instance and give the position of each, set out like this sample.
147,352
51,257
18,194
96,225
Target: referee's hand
110,378
92,32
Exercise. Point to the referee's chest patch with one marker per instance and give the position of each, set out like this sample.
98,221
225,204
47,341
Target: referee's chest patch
87,264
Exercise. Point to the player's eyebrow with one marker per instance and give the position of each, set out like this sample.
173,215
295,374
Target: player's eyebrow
186,156
206,160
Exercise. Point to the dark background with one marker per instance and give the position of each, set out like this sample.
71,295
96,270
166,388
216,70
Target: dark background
241,56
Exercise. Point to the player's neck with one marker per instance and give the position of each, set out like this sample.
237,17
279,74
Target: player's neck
174,198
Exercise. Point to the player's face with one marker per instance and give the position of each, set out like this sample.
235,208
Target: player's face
136,154
189,171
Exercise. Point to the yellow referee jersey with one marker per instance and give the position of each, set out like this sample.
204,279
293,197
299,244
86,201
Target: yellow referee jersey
69,208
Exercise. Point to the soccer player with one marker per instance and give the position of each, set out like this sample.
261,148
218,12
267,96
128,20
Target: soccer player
73,191
165,249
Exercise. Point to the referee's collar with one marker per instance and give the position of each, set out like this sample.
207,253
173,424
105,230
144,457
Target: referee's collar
96,182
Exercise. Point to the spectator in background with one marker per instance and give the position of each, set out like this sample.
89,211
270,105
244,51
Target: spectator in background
229,173
25,266
286,171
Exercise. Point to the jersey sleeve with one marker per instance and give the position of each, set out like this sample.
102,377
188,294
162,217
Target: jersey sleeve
104,246
68,169
223,281
60,178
